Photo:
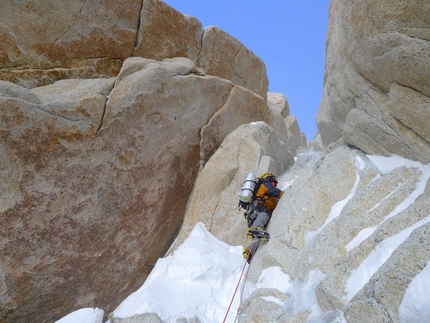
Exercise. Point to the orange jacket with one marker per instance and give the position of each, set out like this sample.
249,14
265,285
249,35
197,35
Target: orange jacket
268,195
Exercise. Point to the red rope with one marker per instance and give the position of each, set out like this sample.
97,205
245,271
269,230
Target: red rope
243,286
237,286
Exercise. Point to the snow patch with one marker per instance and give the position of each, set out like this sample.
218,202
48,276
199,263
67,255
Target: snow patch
302,293
415,306
274,277
198,280
386,165
84,315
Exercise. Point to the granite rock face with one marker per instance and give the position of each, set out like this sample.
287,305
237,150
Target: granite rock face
222,55
47,40
91,39
376,89
93,168
108,114
250,148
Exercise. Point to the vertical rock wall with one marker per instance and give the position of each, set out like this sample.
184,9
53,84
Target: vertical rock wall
376,89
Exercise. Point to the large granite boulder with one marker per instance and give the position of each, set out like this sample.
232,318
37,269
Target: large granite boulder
165,32
48,40
280,102
96,176
241,106
224,56
45,41
376,89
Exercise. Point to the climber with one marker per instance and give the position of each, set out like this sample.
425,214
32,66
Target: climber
264,202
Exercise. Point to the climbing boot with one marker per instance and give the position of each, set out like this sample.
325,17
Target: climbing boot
258,233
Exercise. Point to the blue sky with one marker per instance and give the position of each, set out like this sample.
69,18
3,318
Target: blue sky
289,36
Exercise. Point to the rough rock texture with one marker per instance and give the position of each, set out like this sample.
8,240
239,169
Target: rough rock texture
294,135
108,112
387,287
91,169
376,89
91,39
224,56
241,106
288,130
251,148
47,40
279,101
165,32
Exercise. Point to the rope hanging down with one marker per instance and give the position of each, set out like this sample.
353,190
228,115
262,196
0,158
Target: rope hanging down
237,286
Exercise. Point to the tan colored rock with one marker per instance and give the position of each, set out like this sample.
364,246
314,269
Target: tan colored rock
75,99
241,107
89,39
50,233
8,89
278,123
294,135
376,87
92,40
279,100
165,33
80,37
89,174
61,32
224,56
411,109
394,123
390,43
341,82
77,69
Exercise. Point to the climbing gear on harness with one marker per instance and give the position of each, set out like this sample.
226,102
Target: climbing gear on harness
250,215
